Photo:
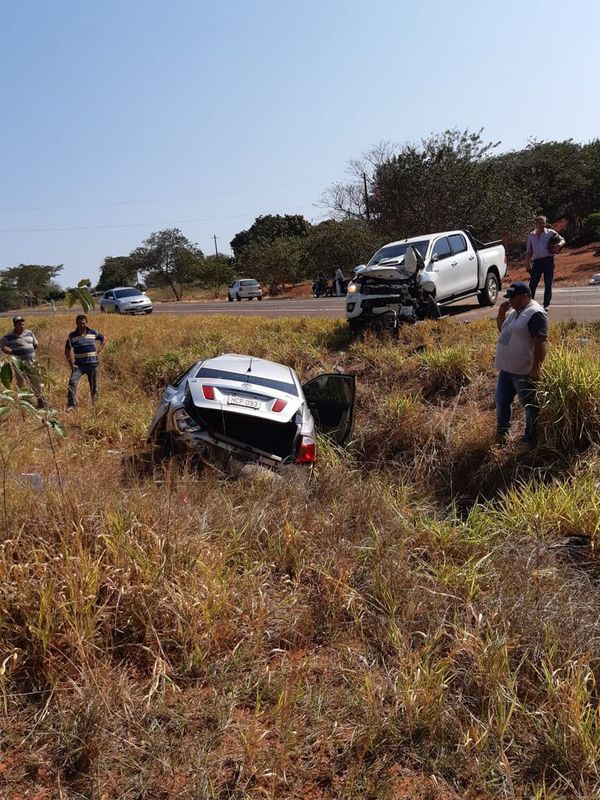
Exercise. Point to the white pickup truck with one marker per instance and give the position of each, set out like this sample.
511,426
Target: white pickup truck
456,264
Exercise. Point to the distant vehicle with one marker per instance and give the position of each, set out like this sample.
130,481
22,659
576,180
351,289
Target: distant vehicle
125,300
251,410
244,289
595,279
455,266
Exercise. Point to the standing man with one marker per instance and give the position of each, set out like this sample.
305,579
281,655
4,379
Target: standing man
520,353
22,344
339,282
82,356
542,245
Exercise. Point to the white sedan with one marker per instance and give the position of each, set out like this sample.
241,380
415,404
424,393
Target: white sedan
125,300
253,410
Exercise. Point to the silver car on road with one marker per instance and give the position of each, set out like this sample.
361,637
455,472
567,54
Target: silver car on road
252,410
125,300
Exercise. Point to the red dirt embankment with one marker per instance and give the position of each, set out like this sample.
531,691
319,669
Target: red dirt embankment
574,266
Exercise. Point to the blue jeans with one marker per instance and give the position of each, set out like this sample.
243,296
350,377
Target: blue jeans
545,267
507,387
92,375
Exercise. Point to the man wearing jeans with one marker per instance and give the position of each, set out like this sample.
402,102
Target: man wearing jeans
542,245
520,352
82,356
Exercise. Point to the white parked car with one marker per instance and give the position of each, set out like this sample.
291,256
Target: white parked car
455,266
244,289
595,280
251,410
125,300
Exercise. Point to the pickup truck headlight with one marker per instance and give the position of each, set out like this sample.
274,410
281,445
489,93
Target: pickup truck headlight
183,422
352,288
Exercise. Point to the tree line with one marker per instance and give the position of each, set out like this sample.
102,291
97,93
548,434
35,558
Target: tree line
455,179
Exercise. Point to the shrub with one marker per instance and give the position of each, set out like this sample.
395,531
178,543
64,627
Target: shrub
570,400
447,370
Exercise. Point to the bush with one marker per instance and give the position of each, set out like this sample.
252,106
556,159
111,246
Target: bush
570,412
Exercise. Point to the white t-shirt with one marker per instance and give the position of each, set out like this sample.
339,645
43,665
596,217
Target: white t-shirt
537,246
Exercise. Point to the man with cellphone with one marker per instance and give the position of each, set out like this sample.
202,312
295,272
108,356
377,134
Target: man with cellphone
520,352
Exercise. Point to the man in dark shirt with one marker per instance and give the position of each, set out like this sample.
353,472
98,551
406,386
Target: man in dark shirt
82,356
22,344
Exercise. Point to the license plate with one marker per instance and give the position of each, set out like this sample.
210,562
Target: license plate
239,400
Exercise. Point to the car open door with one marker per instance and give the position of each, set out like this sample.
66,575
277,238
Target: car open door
330,399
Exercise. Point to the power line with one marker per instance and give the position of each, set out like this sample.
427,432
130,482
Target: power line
138,224
156,200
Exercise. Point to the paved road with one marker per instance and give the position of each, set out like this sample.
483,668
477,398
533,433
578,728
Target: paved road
579,303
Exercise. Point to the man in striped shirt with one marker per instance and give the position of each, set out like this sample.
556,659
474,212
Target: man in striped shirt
82,356
22,344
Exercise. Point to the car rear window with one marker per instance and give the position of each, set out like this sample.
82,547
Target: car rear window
247,377
249,283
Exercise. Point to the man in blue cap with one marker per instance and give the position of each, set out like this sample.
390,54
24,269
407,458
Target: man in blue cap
520,352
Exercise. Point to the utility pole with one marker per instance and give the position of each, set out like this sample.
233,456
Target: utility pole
216,251
368,211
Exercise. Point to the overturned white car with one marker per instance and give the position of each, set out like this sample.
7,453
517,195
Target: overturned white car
251,409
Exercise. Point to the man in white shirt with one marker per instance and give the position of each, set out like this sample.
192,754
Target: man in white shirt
520,352
543,244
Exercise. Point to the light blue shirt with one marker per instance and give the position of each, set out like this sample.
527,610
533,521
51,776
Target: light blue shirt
537,246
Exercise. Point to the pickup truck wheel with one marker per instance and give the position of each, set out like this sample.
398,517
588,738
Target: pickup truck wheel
237,297
489,293
230,298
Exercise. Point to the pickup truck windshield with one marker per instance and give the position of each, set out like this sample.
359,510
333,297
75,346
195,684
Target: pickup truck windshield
397,250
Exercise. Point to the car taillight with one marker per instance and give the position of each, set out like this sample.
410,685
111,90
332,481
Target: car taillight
208,392
279,405
306,452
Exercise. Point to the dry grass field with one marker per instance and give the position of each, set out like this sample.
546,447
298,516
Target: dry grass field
401,625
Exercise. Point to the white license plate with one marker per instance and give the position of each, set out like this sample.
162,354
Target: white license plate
247,402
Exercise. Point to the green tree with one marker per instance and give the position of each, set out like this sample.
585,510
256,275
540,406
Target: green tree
269,227
30,282
275,263
562,178
117,271
168,258
448,181
215,272
343,244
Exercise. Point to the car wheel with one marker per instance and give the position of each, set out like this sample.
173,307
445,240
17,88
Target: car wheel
489,293
102,310
148,311
259,297
237,297
117,309
230,298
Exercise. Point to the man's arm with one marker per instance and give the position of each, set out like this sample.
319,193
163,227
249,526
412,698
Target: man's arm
103,340
538,328
557,246
69,354
539,354
528,254
502,312
4,346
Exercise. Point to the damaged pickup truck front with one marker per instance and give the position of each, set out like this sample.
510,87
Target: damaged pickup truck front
251,410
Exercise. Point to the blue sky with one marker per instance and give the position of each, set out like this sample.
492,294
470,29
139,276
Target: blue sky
121,118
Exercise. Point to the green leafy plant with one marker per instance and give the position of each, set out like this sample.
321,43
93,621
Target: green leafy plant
81,294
